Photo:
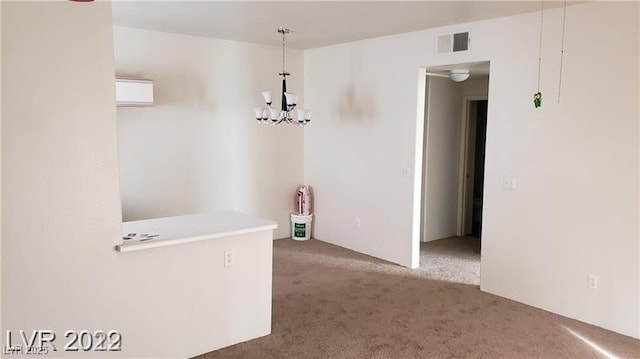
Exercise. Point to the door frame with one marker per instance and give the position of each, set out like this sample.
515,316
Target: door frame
425,155
464,143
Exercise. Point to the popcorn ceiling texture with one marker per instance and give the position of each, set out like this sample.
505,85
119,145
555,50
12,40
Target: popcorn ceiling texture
329,302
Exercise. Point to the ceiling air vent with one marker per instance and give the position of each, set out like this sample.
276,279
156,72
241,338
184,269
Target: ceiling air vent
453,42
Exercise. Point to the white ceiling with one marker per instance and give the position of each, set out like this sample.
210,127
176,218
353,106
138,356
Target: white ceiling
313,23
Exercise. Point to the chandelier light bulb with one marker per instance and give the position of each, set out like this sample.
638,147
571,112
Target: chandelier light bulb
301,114
291,98
259,113
274,114
267,97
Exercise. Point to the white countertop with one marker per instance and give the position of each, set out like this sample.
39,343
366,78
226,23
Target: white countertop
189,228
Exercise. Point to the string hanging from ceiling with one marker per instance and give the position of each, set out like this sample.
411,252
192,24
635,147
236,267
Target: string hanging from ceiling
564,23
537,97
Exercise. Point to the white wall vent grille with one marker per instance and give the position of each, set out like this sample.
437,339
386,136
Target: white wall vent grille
453,42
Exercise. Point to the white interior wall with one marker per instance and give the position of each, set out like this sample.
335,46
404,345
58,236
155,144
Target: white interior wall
61,208
199,147
476,86
575,209
442,154
561,145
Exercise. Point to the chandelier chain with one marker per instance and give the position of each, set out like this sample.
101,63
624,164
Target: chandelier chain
283,34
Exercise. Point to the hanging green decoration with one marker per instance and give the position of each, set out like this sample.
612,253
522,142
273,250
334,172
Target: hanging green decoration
537,99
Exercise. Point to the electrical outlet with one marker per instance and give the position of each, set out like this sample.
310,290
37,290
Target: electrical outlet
509,183
358,222
405,172
592,281
229,258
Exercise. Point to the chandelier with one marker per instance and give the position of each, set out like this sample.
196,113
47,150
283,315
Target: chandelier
288,112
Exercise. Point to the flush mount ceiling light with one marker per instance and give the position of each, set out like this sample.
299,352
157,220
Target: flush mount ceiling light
288,112
458,75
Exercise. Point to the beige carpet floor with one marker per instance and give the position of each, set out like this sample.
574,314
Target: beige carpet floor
453,259
329,302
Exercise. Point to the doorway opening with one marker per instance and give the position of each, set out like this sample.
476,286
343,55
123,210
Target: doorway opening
454,141
471,198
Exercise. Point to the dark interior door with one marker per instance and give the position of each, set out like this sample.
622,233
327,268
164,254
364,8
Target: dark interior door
478,178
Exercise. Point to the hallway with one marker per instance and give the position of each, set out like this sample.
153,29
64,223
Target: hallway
453,259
